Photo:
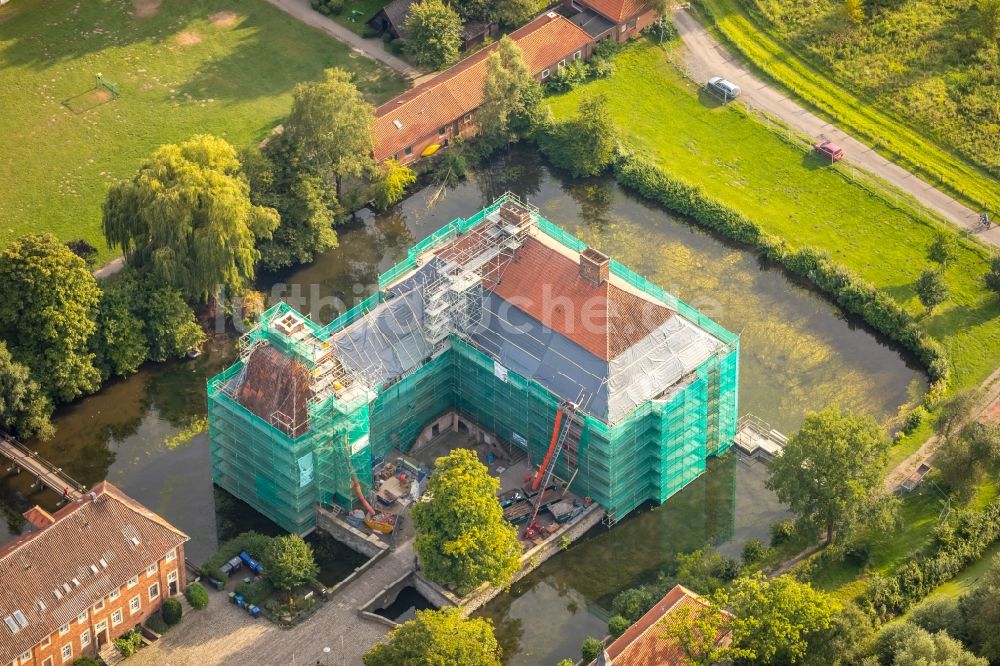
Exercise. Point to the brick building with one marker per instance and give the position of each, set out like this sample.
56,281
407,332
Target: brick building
83,576
444,107
620,20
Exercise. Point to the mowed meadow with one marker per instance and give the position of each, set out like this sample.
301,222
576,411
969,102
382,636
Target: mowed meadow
224,67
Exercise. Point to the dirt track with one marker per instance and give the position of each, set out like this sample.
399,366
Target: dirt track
705,58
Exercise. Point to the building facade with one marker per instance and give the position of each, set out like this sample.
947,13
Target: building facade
436,112
81,577
620,20
506,320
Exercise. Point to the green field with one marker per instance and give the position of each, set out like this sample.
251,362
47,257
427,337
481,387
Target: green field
772,179
919,61
225,67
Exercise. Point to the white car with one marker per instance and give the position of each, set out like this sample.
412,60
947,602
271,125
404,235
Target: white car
720,87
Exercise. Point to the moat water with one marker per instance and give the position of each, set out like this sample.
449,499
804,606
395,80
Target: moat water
798,353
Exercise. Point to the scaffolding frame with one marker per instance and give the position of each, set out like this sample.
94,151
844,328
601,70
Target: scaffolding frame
357,416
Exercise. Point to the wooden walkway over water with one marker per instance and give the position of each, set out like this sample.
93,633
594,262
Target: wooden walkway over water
23,458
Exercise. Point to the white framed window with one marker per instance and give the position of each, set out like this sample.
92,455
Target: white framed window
133,581
154,591
85,638
577,55
67,652
408,151
63,630
172,576
101,626
134,604
82,617
468,117
171,556
151,569
114,595
116,618
47,641
624,28
26,657
562,63
545,74
99,606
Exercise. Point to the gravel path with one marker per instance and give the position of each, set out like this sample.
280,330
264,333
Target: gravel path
221,634
705,58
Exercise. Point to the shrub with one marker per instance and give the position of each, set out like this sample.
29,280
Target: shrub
601,68
914,419
369,32
633,603
196,595
590,649
662,30
859,553
128,644
617,625
329,7
156,623
939,614
992,276
568,77
397,47
754,551
782,531
256,591
171,611
87,661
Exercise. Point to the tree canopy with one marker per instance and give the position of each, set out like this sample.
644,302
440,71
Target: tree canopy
328,132
931,289
438,637
509,12
289,562
511,97
433,34
392,182
48,301
980,611
187,217
461,535
830,473
307,205
24,408
696,633
774,619
584,145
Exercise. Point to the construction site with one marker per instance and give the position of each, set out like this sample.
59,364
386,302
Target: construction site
561,367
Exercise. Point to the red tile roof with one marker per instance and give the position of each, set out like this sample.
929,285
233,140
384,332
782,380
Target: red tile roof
546,284
450,95
644,644
617,10
93,547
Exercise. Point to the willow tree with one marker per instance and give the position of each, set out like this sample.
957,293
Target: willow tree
512,97
48,304
329,131
461,535
187,217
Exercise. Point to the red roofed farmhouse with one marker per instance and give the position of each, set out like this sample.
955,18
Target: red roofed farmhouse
618,19
84,576
438,110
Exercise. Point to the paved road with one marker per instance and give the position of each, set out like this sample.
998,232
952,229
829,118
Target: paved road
373,48
705,58
222,635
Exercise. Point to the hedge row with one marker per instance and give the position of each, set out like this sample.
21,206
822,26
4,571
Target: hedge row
851,293
957,542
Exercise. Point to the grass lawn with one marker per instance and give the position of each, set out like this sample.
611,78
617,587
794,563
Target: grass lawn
225,67
357,13
969,578
916,61
777,183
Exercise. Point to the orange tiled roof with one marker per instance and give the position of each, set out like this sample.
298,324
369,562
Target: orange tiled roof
617,10
93,547
643,644
450,95
546,284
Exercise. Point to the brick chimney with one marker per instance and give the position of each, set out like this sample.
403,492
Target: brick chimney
594,266
513,213
38,517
